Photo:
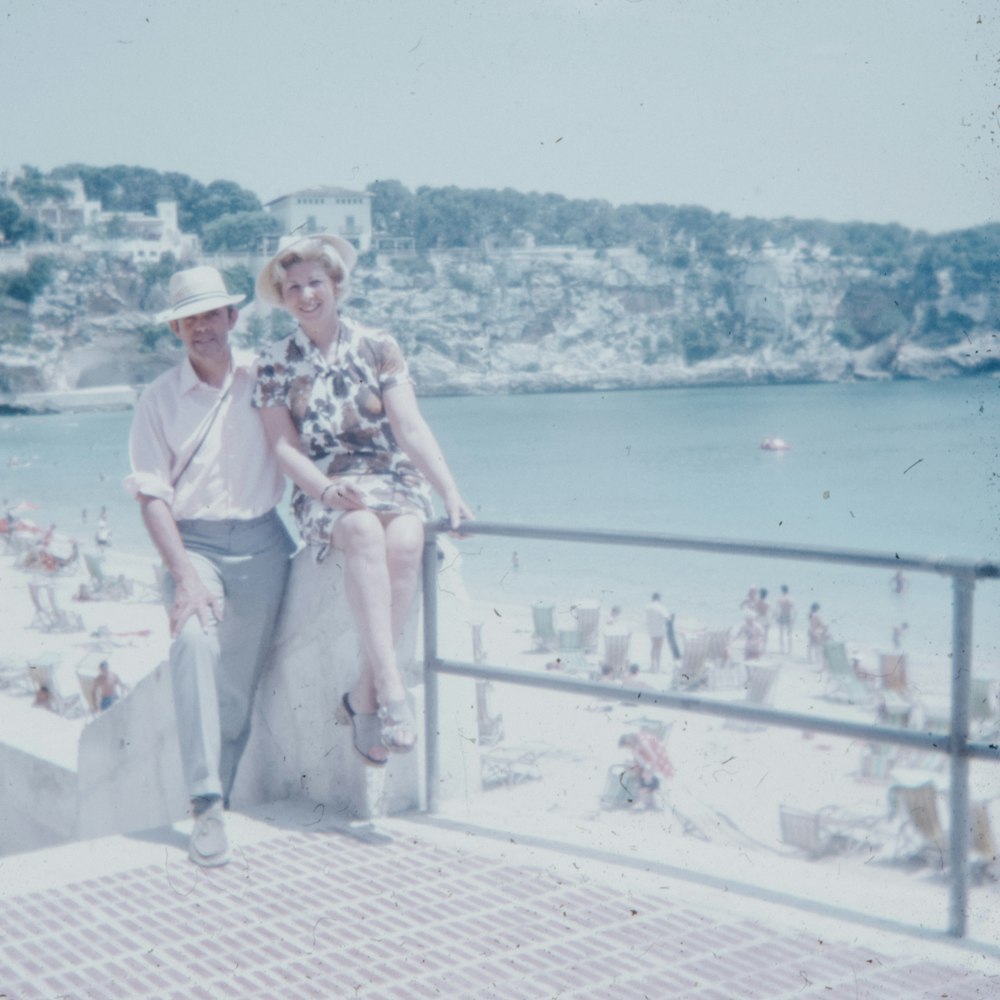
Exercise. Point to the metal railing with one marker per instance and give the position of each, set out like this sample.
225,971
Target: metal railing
955,743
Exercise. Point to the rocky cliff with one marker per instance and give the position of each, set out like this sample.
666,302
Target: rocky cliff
550,320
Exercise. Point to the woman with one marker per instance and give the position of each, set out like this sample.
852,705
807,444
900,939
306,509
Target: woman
340,411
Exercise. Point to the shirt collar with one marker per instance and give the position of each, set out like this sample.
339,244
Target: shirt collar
312,353
243,363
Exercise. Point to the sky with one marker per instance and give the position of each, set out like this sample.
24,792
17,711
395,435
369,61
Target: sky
855,110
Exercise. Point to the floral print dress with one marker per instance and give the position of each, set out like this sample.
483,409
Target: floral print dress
340,415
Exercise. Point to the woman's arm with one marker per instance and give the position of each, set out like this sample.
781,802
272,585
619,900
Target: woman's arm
287,447
419,443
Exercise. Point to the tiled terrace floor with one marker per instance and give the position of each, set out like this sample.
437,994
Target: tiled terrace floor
305,912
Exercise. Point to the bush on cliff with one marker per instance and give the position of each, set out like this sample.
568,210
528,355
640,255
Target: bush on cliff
25,286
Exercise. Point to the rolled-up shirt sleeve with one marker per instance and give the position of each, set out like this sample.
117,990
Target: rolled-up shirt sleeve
149,454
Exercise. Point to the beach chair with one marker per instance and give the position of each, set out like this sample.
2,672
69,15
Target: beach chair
616,651
826,831
983,706
921,834
43,619
489,723
892,672
759,687
478,650
896,700
65,621
588,617
509,766
804,831
102,586
621,787
49,616
15,678
702,651
88,687
843,683
568,640
44,675
544,635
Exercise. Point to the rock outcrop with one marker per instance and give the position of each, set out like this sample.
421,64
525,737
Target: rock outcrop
548,320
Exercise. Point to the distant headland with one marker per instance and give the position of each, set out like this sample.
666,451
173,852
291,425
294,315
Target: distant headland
498,291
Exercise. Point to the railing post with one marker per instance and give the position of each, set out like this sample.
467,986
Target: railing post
431,714
961,686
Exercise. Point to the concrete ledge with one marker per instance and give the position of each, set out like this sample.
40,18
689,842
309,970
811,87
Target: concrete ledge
121,772
300,747
130,774
39,795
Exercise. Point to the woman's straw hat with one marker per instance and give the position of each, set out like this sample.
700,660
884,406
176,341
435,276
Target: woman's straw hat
266,292
196,290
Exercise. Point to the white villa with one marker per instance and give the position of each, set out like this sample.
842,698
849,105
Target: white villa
327,210
83,223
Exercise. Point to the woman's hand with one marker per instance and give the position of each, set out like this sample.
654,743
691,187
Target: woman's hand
342,494
457,510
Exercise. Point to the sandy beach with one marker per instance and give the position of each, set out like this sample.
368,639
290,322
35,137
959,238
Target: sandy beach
68,622
553,769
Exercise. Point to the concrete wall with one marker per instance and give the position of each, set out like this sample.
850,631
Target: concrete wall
38,792
300,746
129,765
129,761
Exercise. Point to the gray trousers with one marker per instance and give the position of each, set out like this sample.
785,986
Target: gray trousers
215,673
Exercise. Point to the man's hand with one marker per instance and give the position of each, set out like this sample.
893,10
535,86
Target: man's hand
192,597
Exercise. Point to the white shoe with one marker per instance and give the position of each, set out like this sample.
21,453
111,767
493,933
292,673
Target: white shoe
208,846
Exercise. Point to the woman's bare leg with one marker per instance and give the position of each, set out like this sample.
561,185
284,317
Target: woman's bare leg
361,537
404,543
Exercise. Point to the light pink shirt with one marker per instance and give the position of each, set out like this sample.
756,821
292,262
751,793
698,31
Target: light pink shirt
233,475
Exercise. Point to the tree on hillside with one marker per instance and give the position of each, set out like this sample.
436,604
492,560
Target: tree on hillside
239,231
393,208
25,286
210,203
33,187
15,226
137,189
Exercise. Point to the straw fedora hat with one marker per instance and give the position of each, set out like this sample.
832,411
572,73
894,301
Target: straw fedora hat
196,290
266,291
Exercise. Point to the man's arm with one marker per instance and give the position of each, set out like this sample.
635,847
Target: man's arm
191,596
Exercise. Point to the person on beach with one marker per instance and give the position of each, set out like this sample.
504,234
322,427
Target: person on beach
43,699
108,687
755,639
339,408
103,534
763,612
784,617
898,634
207,484
819,634
656,626
675,649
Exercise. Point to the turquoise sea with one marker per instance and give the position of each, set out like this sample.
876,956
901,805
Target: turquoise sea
893,467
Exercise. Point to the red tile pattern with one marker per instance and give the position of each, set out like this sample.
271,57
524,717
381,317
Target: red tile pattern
314,915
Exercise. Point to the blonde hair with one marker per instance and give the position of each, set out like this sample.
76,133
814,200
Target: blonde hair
307,250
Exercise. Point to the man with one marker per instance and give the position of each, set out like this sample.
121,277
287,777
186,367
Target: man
656,626
208,485
108,686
